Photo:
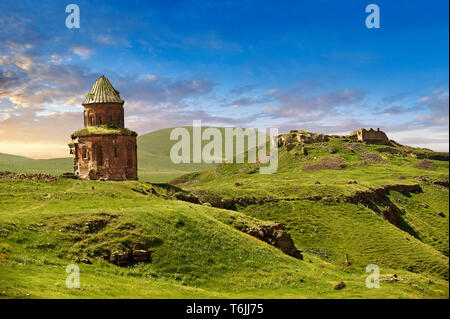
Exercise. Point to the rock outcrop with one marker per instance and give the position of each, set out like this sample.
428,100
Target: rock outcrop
124,258
276,235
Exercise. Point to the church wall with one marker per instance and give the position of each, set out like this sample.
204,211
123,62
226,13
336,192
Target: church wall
101,114
106,156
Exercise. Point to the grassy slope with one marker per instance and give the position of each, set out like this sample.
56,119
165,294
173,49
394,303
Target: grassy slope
199,255
153,160
291,180
20,164
419,244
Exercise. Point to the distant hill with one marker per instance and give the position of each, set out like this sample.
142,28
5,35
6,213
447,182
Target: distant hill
154,162
21,164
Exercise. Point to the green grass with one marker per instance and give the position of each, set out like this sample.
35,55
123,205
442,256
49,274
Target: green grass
102,130
355,230
291,180
419,243
154,164
197,254
20,164
421,214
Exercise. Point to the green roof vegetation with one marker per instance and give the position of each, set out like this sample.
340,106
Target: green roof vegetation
103,130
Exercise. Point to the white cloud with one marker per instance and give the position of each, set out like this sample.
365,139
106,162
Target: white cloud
83,52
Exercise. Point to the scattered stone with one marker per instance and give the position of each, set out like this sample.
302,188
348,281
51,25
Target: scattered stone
340,285
227,203
85,261
68,175
304,151
124,258
352,181
237,184
334,163
207,204
120,258
389,278
276,235
47,196
333,151
416,286
186,197
425,164
440,214
31,176
290,146
424,205
317,183
140,255
390,150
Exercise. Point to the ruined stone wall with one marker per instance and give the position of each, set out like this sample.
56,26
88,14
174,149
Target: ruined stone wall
373,136
112,157
101,114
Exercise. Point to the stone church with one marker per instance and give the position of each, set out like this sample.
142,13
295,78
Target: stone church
104,149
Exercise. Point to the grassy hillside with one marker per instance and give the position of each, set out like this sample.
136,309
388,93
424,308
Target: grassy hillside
369,204
44,226
154,158
313,194
154,163
20,164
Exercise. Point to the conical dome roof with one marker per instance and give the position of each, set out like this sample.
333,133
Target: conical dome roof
102,92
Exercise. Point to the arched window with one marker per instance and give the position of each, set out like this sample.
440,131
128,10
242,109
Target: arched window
116,154
91,120
84,153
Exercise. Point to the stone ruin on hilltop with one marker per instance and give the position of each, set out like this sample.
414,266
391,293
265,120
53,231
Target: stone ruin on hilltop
363,135
371,136
104,149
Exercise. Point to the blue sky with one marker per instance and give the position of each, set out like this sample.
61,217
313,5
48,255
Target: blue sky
291,64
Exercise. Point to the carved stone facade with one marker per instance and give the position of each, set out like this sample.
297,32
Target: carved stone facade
104,148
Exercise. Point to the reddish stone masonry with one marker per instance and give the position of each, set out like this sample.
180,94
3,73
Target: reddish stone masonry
105,150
